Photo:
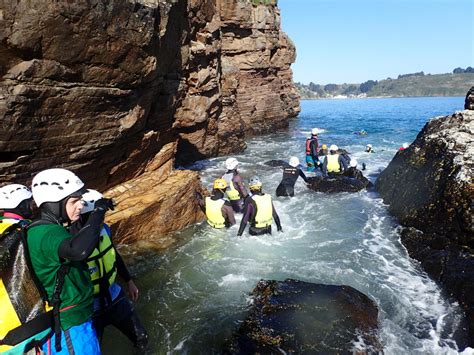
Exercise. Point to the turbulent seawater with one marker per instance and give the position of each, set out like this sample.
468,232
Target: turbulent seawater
194,295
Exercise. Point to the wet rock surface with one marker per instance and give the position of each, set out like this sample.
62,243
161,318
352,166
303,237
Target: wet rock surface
429,187
296,317
338,183
114,90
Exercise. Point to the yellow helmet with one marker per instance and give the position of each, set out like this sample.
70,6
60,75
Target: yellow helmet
324,146
255,183
220,184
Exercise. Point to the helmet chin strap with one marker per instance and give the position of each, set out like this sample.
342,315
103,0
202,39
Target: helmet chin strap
55,212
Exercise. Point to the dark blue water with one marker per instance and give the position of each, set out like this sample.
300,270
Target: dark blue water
195,294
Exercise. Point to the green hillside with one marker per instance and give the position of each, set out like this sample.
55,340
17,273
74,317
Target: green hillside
417,84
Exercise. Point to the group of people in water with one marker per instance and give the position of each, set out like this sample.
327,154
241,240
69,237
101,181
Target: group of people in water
74,264
229,194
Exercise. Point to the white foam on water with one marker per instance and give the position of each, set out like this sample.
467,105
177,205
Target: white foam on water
231,278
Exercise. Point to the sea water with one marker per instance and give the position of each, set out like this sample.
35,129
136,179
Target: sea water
196,294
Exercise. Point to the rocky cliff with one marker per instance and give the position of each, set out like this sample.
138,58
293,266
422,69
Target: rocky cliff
429,188
121,91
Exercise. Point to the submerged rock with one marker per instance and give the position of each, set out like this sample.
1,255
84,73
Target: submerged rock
338,183
277,163
429,187
299,317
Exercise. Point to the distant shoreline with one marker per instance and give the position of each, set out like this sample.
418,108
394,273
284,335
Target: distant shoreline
372,97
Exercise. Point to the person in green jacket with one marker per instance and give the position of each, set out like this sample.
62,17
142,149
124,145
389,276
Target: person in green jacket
58,258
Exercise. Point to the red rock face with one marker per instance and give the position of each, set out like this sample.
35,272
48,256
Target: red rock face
114,90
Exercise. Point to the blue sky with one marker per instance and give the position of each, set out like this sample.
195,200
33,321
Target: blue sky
351,41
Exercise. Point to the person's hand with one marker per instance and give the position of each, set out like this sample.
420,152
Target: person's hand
104,204
239,234
132,291
280,229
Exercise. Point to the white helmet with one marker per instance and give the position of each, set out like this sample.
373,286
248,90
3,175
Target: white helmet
315,131
12,195
231,163
52,185
294,162
89,198
334,147
369,145
353,163
405,145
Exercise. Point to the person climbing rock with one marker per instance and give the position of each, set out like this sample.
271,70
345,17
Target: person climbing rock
259,211
355,173
236,191
312,147
219,212
333,163
57,258
111,304
290,175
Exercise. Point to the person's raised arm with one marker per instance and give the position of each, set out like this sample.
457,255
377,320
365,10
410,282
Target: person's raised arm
81,245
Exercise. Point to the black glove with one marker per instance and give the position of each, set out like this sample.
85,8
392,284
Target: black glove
104,204
280,229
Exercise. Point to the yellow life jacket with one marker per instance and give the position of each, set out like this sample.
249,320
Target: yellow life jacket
214,212
231,191
24,315
264,215
333,163
101,264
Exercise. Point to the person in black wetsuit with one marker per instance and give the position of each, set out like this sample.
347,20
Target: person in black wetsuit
259,211
290,175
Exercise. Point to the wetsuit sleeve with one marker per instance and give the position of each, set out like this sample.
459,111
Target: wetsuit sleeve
122,270
245,219
239,186
228,214
325,166
342,163
80,246
276,218
314,149
300,172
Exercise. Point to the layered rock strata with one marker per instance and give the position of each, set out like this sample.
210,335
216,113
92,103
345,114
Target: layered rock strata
120,89
295,317
429,188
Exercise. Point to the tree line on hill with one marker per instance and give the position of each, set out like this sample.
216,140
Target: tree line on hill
413,84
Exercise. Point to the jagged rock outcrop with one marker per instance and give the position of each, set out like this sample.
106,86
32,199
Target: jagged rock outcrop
117,89
429,188
469,102
295,317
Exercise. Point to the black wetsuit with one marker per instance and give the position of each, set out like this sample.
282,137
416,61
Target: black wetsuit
287,184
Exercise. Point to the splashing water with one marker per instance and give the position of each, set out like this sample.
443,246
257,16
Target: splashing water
195,294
